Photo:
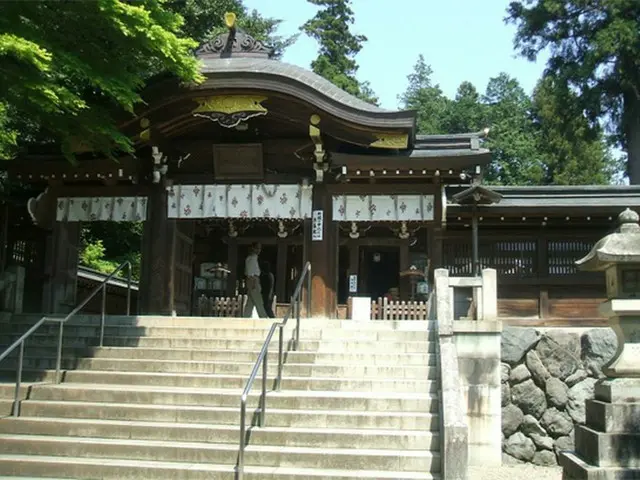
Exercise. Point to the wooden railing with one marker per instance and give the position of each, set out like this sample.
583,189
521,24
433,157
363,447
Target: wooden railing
385,309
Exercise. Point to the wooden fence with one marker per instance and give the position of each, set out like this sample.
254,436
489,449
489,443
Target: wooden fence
221,306
385,309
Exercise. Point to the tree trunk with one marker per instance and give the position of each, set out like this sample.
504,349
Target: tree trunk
632,135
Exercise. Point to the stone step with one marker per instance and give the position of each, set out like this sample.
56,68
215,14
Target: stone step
275,417
227,367
189,432
221,453
324,346
286,399
76,467
238,381
303,357
611,417
608,449
227,322
575,467
71,331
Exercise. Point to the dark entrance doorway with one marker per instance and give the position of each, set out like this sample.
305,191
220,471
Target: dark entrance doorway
379,270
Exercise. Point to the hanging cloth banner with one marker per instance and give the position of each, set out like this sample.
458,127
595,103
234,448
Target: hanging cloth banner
383,208
97,209
239,201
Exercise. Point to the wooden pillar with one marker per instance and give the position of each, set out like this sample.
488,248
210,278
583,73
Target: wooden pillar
232,262
354,265
62,268
156,279
543,275
281,271
405,283
323,258
306,257
436,233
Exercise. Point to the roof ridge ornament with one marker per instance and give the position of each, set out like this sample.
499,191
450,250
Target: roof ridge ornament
234,43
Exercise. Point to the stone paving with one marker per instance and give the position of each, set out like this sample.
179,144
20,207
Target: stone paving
515,472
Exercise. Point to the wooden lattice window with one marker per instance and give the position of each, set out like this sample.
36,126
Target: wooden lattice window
517,257
456,254
562,255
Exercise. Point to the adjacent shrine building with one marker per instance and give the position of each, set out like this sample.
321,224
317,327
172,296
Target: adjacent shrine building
270,152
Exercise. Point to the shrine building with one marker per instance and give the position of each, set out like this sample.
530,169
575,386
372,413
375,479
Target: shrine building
263,151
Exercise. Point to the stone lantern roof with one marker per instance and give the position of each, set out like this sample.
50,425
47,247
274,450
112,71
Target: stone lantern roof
620,247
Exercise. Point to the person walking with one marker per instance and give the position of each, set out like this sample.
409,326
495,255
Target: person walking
267,281
252,275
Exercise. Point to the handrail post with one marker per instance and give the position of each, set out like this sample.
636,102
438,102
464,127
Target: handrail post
296,312
59,353
280,356
103,313
128,289
243,412
309,291
16,396
263,397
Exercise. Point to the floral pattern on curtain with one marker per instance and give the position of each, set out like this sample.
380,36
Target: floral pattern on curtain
95,209
383,208
239,201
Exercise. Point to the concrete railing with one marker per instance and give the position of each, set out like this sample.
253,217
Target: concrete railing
470,374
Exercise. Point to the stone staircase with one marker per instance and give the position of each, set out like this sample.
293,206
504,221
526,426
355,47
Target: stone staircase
161,400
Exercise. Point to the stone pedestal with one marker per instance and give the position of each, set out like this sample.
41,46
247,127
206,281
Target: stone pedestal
608,446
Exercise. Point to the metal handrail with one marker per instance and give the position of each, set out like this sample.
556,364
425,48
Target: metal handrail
21,341
294,309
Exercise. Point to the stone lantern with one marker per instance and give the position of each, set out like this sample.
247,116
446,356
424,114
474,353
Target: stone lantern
608,445
618,255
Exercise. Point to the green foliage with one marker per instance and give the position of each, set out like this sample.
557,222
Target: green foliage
426,98
58,65
330,27
594,49
542,140
109,244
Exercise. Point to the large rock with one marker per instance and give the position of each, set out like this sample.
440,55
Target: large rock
576,377
532,429
560,353
529,398
544,458
520,446
557,392
598,347
519,374
505,369
557,423
509,460
577,395
516,342
511,419
538,371
563,444
506,394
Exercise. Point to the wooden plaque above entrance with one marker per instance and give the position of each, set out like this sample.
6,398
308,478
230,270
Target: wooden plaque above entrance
239,201
383,208
238,161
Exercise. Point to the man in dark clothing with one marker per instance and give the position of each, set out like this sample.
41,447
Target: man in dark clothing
267,283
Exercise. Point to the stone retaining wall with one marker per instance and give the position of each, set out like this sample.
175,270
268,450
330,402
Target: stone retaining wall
546,375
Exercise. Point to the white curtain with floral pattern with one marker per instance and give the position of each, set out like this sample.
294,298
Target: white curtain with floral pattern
239,201
96,209
383,208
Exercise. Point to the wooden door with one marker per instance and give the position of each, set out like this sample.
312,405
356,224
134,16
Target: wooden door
183,266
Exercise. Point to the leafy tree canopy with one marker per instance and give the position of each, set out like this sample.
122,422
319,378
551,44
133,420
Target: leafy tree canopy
594,49
330,27
58,66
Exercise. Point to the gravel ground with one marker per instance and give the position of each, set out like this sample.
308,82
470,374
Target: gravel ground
515,472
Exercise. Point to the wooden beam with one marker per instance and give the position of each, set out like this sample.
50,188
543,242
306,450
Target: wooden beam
381,189
323,259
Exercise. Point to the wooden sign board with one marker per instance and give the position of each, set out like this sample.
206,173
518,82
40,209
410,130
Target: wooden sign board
317,225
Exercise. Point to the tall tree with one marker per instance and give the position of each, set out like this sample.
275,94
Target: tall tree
595,48
330,27
574,153
57,65
513,138
466,113
426,98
